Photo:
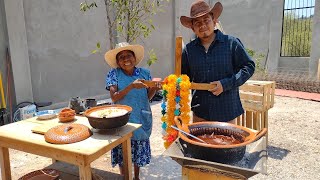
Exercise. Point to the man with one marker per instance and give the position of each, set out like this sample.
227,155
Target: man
217,59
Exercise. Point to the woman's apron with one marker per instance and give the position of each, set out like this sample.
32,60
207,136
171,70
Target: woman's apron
139,101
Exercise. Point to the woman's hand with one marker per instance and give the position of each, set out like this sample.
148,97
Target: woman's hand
157,87
137,84
152,90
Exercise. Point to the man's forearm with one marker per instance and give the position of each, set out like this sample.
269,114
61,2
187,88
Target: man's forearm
239,78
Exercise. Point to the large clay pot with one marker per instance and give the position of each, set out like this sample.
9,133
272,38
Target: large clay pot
108,122
217,153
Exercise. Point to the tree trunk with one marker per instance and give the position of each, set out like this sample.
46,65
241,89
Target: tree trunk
109,22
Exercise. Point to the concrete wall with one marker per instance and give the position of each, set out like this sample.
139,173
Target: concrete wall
60,41
5,66
19,50
162,42
256,23
59,37
3,42
315,48
294,63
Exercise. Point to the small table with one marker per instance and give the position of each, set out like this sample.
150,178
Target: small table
20,137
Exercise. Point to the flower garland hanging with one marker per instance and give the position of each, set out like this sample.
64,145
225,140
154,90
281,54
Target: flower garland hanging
175,102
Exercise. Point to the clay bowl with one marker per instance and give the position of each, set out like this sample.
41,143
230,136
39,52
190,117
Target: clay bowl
48,174
108,116
66,115
228,154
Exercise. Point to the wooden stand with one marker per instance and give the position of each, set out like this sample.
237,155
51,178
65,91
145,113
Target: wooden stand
192,173
257,97
194,169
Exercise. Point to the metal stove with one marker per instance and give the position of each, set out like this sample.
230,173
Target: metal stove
253,162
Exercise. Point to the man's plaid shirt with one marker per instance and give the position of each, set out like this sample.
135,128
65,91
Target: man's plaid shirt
226,61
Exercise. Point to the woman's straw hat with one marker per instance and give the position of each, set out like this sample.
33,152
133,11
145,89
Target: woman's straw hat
110,56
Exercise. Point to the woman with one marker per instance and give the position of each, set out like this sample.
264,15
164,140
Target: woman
125,86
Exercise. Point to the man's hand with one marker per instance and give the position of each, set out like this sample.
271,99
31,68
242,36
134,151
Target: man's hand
137,84
218,89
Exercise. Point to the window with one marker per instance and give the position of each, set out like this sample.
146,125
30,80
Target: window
297,28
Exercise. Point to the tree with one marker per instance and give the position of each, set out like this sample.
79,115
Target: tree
129,19
257,59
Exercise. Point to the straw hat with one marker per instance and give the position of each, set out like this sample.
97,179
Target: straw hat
200,8
110,56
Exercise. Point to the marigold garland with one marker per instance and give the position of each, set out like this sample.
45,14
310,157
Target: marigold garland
176,92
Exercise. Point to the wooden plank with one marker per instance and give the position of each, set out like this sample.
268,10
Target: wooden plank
262,120
85,172
252,88
127,161
257,120
249,115
238,122
202,86
196,86
251,96
252,105
42,129
5,163
266,124
151,83
259,83
243,119
178,55
272,93
267,95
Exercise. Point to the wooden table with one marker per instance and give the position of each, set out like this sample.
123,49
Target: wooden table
20,137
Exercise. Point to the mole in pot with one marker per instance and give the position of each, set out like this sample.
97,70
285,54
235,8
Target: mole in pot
218,139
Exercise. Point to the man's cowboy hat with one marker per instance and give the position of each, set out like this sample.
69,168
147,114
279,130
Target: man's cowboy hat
110,56
200,8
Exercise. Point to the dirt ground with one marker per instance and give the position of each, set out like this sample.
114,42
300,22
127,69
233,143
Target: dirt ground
293,149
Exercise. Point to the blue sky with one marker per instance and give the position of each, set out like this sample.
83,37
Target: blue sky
300,3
